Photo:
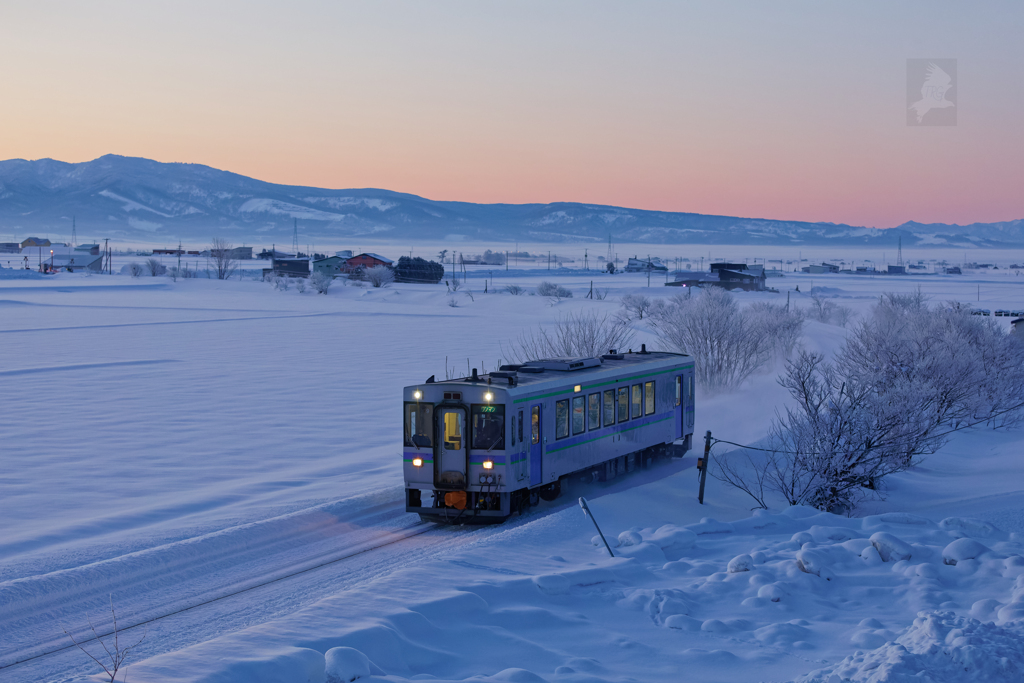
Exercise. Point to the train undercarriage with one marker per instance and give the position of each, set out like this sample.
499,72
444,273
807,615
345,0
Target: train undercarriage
488,506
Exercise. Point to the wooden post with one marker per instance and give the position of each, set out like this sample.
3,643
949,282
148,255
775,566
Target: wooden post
704,466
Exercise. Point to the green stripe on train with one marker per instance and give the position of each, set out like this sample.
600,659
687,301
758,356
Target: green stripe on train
584,387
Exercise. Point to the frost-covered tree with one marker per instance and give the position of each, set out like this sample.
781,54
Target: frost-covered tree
379,276
321,281
636,305
905,378
154,267
584,333
727,343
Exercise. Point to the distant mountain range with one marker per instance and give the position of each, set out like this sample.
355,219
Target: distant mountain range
148,201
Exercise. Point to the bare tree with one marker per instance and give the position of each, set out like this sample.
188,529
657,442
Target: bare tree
573,335
154,267
379,276
224,263
114,651
515,290
636,305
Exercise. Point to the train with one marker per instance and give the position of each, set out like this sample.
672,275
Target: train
482,448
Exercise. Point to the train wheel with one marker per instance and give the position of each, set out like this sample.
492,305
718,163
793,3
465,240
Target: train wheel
552,490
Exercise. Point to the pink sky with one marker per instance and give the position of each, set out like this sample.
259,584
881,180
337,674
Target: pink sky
789,111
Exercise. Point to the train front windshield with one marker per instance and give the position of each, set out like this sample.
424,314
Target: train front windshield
489,427
419,425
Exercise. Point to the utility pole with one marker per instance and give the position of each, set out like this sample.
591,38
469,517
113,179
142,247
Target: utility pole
179,258
74,234
295,237
586,265
703,465
106,251
549,259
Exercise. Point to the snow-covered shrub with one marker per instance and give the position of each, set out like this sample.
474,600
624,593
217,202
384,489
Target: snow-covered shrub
300,284
727,344
636,305
134,269
904,378
321,282
515,290
575,334
550,289
379,276
154,267
828,311
279,283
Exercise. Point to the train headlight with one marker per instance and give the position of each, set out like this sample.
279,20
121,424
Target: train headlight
488,396
417,462
488,464
417,394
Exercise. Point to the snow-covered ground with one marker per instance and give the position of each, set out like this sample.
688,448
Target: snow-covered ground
176,447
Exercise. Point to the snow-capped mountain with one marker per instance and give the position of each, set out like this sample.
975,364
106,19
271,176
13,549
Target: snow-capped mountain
133,198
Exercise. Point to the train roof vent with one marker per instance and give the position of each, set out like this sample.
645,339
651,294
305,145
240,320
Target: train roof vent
563,364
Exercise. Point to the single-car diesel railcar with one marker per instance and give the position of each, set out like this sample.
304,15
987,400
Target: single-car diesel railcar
481,448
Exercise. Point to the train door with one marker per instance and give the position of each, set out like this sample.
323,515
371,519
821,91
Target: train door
536,446
680,408
453,448
688,401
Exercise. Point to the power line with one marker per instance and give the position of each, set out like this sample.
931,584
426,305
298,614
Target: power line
881,445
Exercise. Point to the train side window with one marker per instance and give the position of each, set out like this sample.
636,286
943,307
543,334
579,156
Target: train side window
513,430
579,415
419,425
609,407
520,427
488,427
594,411
638,402
561,419
649,398
623,404
679,389
535,425
689,394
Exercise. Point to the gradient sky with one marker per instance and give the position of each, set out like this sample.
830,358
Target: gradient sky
790,110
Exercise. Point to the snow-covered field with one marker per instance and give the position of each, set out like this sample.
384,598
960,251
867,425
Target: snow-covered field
229,453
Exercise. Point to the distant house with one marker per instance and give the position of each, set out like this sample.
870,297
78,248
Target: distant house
816,269
688,278
332,265
270,254
1018,326
952,270
363,261
77,261
91,249
168,252
240,253
35,242
739,276
294,267
344,253
637,265
10,248
896,270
